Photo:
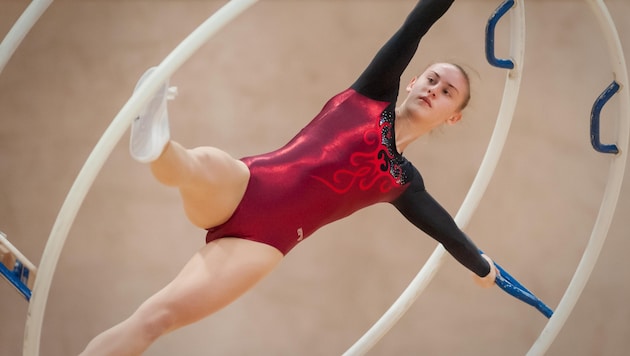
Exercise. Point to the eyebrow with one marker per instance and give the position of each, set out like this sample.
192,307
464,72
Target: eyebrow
447,83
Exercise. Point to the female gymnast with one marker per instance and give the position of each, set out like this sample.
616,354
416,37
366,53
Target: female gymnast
347,158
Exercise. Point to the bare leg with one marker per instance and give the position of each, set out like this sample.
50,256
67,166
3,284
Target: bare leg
214,277
210,181
211,184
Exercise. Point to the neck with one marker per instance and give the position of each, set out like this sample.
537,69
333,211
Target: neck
407,129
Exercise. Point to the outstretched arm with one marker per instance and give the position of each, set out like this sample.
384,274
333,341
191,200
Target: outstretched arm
382,76
427,214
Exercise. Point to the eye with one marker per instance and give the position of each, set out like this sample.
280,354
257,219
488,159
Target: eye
430,80
446,92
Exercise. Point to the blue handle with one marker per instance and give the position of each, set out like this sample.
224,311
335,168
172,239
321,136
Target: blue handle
511,286
17,277
492,23
597,109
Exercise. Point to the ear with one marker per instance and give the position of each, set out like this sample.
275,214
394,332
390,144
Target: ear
454,118
411,83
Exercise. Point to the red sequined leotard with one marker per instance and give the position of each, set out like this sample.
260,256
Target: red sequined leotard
342,161
345,159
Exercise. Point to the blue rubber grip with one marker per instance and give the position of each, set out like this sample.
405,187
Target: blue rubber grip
514,288
490,34
611,90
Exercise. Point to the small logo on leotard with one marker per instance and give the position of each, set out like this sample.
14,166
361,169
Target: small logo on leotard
300,233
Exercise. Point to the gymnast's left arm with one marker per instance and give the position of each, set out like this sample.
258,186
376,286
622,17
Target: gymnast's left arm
381,78
417,205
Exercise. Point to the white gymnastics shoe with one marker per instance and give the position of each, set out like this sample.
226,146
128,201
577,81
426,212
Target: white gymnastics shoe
150,130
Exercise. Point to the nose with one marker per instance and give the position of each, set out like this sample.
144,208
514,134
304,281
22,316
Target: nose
431,92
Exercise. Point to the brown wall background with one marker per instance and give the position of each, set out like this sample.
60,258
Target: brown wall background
249,90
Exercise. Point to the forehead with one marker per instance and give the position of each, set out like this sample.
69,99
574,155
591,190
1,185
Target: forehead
447,71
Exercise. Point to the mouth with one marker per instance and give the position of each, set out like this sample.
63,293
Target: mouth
426,100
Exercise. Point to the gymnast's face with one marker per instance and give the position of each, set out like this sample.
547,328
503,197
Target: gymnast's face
438,95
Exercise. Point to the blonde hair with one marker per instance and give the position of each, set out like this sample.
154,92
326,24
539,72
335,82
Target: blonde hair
467,77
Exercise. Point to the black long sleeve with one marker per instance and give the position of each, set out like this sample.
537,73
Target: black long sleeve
381,78
427,214
380,81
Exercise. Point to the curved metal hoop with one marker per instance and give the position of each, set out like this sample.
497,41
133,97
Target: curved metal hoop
476,191
19,30
598,235
99,155
611,194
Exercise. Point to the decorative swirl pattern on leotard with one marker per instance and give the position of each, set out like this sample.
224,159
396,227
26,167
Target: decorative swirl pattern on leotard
367,168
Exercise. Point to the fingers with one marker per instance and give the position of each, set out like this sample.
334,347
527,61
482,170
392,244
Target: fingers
488,280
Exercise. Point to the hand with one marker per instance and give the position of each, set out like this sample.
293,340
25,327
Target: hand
488,280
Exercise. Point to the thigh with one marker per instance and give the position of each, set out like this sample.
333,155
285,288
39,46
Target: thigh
217,188
214,277
216,166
